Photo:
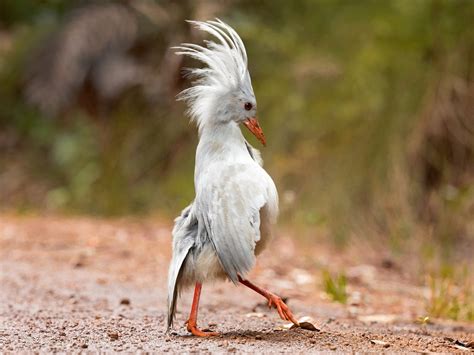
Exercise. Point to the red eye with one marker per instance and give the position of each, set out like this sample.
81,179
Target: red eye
248,106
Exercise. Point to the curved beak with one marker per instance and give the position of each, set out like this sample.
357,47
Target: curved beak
254,127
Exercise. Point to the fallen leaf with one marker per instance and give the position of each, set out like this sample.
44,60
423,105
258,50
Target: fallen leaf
305,319
304,323
463,344
308,326
460,347
460,344
380,342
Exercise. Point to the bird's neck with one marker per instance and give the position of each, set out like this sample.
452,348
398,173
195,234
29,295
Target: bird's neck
220,141
221,138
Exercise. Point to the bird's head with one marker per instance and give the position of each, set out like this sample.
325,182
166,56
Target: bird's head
222,91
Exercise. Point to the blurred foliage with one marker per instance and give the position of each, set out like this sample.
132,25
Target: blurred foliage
451,299
14,12
335,286
350,94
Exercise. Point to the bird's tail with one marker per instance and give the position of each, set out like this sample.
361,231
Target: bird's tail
174,276
183,239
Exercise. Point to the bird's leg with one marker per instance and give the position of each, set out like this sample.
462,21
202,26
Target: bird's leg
273,300
192,321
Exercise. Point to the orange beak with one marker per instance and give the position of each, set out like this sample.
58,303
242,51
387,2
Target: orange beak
254,127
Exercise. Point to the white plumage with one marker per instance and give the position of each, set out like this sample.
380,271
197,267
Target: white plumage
236,201
225,72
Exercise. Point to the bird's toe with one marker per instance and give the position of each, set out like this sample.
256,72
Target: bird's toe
193,329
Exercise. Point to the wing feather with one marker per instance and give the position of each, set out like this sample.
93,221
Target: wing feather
229,207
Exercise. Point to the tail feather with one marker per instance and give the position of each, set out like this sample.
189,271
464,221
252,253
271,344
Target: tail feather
174,276
184,233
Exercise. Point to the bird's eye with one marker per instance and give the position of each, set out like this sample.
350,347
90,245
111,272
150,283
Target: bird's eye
248,106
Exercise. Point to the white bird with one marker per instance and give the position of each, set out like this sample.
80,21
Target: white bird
236,204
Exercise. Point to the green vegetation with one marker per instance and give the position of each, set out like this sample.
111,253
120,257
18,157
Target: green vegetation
335,286
450,299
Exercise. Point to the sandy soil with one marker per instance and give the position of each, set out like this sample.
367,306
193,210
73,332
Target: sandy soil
74,284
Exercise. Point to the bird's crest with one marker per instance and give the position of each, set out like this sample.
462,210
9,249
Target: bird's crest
226,68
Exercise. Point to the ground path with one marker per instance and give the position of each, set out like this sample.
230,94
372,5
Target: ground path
76,283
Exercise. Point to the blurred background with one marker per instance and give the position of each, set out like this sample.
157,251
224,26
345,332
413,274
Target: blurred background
368,109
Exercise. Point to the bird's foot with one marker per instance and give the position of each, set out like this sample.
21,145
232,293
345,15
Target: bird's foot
192,328
282,308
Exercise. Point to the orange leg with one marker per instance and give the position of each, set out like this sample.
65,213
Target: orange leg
192,321
273,300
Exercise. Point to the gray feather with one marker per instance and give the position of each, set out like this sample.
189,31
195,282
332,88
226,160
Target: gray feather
254,153
184,234
229,212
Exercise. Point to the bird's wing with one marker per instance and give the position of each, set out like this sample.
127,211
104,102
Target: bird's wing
228,204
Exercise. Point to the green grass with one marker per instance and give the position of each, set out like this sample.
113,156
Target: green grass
335,286
451,297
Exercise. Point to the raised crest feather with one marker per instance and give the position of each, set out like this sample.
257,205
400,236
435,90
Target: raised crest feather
225,68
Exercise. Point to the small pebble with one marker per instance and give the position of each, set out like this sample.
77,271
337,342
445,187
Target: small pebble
113,335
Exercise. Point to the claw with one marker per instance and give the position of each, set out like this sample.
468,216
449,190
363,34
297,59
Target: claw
282,308
192,328
273,300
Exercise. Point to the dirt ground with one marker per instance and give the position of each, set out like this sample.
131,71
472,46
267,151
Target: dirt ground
75,284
